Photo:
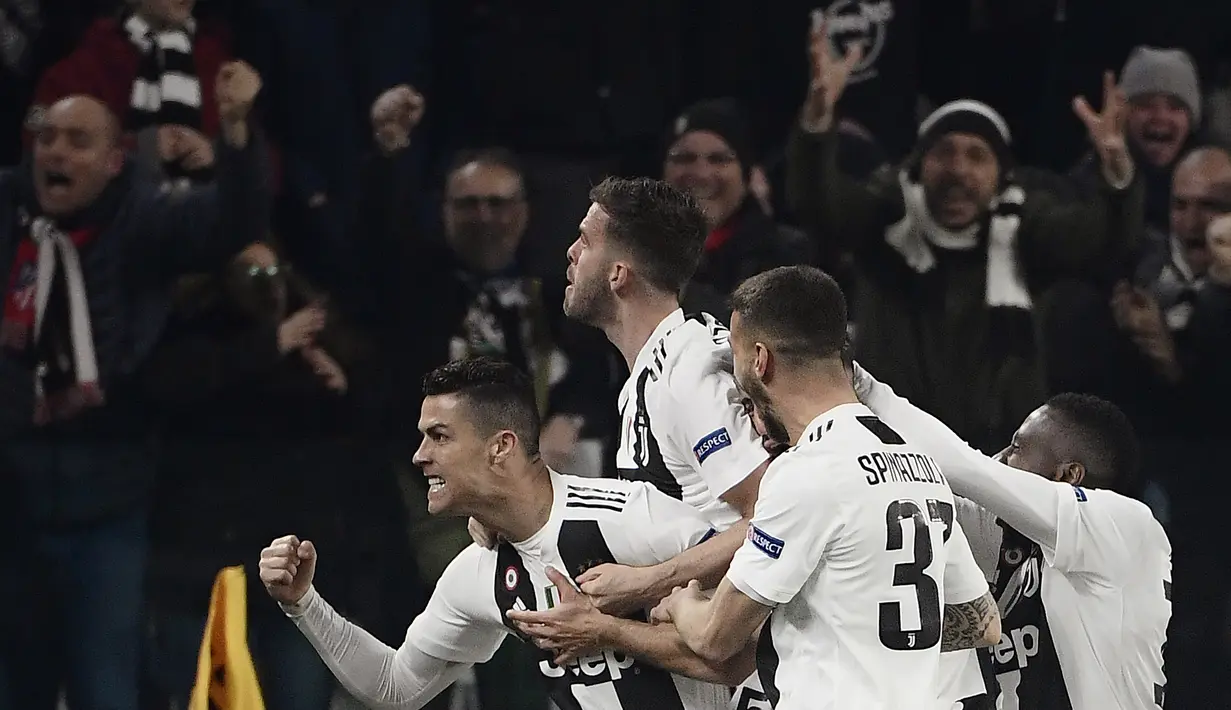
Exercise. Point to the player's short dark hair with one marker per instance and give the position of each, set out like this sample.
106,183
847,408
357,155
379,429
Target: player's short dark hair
496,156
799,311
662,227
500,396
1102,435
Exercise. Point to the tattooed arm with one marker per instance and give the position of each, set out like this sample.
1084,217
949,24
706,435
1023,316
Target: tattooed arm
971,625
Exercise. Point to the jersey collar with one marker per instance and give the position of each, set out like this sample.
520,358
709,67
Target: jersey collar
673,320
824,421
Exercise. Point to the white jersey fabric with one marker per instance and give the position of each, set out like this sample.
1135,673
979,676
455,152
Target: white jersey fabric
1082,576
682,426
855,545
592,522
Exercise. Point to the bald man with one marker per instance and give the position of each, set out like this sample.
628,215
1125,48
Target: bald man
1200,191
87,253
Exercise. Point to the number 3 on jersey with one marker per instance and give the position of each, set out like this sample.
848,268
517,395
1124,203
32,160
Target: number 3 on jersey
899,515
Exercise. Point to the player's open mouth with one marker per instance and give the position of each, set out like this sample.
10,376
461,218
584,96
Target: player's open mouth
435,484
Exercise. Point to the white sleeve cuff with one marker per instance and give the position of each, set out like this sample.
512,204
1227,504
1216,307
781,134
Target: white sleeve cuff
301,607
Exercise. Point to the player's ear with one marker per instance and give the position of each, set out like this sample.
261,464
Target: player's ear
762,361
618,276
500,447
1071,473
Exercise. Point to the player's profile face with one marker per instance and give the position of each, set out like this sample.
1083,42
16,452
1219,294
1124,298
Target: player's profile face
587,297
451,455
1030,449
765,418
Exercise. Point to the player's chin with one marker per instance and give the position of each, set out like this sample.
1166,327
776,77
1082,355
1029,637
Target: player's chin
439,500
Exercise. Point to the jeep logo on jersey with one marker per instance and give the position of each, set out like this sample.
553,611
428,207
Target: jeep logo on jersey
714,441
1018,645
766,543
510,578
603,667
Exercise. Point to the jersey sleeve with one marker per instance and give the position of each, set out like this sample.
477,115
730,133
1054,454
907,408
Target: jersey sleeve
964,581
1099,531
460,624
653,527
715,436
796,518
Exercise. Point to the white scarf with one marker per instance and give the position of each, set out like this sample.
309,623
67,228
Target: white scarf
55,245
917,233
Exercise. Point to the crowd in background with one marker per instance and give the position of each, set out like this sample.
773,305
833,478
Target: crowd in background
266,289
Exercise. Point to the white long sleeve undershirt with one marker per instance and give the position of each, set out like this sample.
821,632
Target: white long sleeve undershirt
405,678
1029,503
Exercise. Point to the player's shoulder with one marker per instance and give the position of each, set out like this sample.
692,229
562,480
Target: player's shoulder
697,350
1124,512
848,429
599,498
471,569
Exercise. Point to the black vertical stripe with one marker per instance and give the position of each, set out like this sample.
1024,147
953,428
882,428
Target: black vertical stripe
582,546
767,662
508,558
645,447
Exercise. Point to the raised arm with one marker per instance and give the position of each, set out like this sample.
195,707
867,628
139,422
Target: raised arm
183,231
833,206
1025,501
1073,235
377,675
442,642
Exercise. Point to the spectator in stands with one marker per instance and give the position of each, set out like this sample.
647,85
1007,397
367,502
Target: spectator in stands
89,251
154,67
1164,113
263,395
953,253
710,154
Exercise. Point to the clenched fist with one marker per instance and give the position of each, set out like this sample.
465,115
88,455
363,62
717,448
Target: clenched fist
394,115
287,567
236,90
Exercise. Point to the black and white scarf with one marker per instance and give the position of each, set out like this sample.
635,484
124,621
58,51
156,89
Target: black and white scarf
69,382
1007,295
166,90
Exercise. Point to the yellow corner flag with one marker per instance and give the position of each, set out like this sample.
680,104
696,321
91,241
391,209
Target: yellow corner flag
226,677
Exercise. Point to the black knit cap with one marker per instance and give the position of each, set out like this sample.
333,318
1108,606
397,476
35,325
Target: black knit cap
722,117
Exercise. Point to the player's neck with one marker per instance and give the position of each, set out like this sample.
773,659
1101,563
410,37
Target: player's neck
523,508
803,399
636,321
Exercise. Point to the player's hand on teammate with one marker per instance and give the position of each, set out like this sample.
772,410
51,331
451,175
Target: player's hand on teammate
664,612
572,629
287,567
395,114
619,589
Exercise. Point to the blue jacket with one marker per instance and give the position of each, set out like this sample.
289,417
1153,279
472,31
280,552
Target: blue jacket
101,462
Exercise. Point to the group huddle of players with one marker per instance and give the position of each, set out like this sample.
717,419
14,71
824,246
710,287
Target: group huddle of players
873,561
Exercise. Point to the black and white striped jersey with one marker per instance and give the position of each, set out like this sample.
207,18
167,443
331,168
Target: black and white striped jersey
682,426
592,522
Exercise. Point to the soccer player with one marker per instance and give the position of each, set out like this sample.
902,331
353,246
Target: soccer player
683,426
853,553
480,457
1082,573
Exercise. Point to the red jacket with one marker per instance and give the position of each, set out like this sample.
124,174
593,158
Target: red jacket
106,63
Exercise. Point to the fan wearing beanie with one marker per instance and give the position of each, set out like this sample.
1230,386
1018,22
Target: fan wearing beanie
951,252
709,153
1164,112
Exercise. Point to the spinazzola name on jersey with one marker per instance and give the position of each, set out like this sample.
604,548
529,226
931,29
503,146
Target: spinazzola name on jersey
888,467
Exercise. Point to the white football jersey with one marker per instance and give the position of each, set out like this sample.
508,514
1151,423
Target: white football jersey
682,427
1084,621
855,545
592,522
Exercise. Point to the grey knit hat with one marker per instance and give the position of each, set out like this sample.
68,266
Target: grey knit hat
1151,70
